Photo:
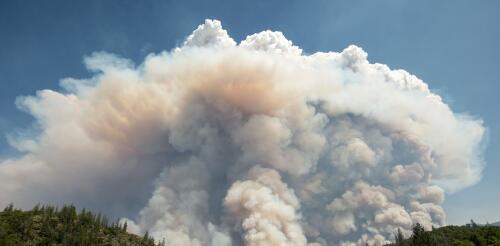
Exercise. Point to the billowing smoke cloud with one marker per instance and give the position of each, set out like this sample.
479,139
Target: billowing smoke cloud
256,143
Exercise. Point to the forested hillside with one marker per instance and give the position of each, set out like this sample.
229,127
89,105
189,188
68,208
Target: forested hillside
468,235
45,225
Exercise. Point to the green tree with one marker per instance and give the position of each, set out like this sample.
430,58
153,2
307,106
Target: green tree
49,226
400,239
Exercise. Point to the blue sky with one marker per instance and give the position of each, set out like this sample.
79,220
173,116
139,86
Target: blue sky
451,45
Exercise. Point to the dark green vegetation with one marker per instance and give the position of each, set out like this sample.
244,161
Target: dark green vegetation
65,226
468,235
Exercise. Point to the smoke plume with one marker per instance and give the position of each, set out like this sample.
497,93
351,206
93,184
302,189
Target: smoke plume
256,143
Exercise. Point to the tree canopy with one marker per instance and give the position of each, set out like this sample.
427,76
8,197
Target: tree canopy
52,226
467,235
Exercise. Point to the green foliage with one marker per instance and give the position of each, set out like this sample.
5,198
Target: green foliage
51,226
468,235
399,238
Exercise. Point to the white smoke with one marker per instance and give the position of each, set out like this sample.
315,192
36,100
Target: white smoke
219,143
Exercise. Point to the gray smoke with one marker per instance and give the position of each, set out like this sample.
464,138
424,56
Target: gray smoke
256,143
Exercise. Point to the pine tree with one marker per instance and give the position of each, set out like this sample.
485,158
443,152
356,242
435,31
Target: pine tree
399,238
419,238
473,224
47,225
9,208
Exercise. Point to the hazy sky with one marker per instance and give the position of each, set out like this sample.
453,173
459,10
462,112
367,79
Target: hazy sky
451,45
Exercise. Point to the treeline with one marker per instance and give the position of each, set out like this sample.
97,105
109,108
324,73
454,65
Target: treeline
468,235
52,226
65,226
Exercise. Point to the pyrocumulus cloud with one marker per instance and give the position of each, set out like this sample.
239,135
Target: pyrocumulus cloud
252,143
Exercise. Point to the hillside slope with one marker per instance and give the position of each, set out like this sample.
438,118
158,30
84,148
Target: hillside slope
468,235
51,226
60,227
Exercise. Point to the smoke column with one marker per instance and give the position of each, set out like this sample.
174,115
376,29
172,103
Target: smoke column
256,143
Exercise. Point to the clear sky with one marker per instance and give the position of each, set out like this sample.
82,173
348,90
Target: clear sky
451,45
